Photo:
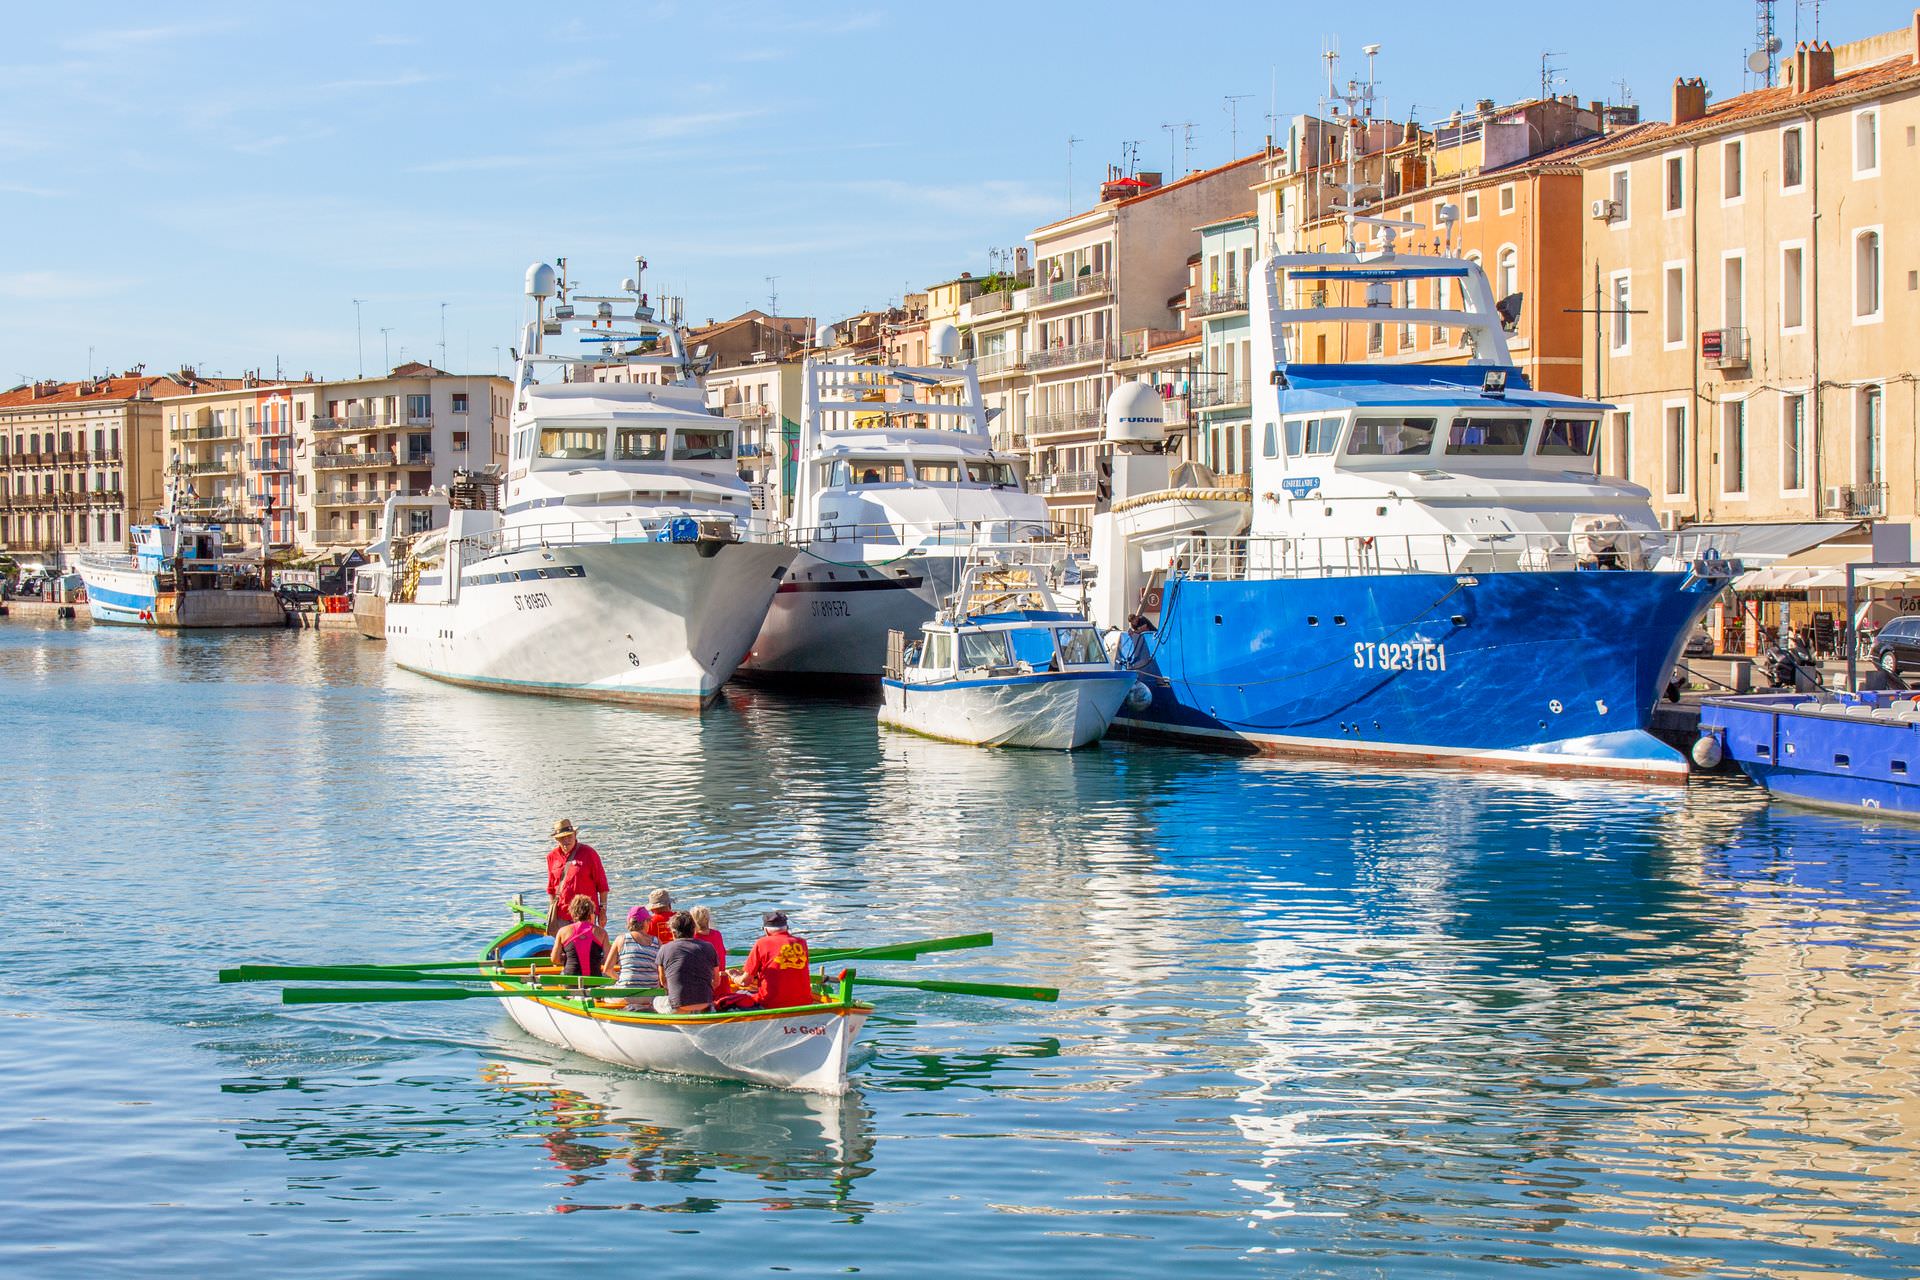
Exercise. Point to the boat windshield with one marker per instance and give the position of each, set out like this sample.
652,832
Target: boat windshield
1079,645
1033,646
573,442
877,471
1567,438
703,445
937,472
1487,435
984,649
998,474
1391,437
639,444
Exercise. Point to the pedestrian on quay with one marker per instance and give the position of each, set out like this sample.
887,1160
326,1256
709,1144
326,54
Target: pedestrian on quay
573,869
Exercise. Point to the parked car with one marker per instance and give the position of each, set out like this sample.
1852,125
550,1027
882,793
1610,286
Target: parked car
1699,644
1896,648
297,595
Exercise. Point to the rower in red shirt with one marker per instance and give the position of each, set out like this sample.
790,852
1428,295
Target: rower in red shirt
573,869
776,968
660,916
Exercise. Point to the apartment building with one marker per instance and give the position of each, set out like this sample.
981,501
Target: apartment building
406,432
82,462
1047,352
761,398
233,446
1758,259
1221,394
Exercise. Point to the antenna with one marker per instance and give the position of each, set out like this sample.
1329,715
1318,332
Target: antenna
773,295
1548,71
359,345
1070,143
1765,59
385,360
1186,147
1170,139
1130,156
443,336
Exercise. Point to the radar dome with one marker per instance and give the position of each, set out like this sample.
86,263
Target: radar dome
1135,415
824,336
541,282
943,341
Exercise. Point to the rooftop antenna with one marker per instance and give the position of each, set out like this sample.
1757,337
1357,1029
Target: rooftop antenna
1070,144
1130,156
1765,58
443,336
386,360
1186,147
359,346
1233,122
773,295
1548,71
1170,141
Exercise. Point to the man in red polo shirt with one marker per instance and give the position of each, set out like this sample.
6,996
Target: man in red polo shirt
573,868
777,966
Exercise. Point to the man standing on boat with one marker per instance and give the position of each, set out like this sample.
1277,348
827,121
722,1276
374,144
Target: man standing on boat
573,868
776,968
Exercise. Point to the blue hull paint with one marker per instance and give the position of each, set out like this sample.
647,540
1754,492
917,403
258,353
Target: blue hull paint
1558,671
1799,749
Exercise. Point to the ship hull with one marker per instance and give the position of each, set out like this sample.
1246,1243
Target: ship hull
1853,755
131,597
643,622
1554,672
1054,711
830,618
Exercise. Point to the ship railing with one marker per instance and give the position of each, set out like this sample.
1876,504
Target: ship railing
563,533
1239,558
947,533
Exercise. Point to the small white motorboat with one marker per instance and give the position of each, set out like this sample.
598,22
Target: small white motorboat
1004,664
801,1048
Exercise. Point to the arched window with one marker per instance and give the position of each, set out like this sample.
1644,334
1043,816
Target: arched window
1506,279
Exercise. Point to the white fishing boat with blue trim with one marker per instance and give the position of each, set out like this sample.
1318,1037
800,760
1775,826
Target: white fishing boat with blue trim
179,576
617,566
1004,664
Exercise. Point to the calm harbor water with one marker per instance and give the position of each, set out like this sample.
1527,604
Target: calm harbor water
1317,1020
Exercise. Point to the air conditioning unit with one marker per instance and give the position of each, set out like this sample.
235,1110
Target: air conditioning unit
1839,498
1670,519
1605,210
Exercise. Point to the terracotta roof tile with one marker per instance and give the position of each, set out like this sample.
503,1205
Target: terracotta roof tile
1758,104
112,390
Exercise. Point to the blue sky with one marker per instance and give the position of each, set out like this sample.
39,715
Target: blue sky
215,184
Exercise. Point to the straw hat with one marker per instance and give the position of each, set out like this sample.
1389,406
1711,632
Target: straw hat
564,827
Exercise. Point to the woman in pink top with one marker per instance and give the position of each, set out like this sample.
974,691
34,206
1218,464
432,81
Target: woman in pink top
703,929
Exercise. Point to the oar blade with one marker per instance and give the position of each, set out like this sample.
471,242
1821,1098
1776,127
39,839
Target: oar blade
369,995
992,990
906,950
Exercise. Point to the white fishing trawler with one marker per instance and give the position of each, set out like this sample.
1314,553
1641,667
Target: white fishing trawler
615,565
1005,663
894,486
179,576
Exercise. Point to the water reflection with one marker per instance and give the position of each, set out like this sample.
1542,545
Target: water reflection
604,1129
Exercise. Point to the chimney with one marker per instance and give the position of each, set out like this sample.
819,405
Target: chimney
1916,37
1813,66
1690,99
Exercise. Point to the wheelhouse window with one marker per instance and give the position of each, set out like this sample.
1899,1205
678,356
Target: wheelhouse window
1488,436
877,471
1079,646
937,472
1033,647
998,474
985,649
1309,436
573,442
1390,437
1568,438
937,653
703,445
640,444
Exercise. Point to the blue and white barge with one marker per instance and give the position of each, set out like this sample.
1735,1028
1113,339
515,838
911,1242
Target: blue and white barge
1856,752
179,576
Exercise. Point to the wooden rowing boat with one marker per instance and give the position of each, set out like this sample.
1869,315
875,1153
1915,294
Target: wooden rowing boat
801,1048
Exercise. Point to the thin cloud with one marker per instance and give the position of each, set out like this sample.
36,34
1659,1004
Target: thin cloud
404,80
114,39
1002,198
477,164
393,41
22,189
59,284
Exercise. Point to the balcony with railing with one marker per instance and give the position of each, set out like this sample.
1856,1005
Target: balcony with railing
344,461
1724,348
1221,393
1867,500
420,459
1138,342
1058,291
1079,353
1219,302
746,409
221,464
1067,483
352,422
217,432
419,419
1004,361
269,462
340,496
1060,424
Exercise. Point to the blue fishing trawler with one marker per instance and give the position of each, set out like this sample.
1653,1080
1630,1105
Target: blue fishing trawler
1427,563
1858,752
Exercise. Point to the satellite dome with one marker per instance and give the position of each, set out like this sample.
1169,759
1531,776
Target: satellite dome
1135,415
943,341
541,282
824,336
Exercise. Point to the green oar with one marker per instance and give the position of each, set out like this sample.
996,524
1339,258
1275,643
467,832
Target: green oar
360,973
277,972
357,995
906,950
993,989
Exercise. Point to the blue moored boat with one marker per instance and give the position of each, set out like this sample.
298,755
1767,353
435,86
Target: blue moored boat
1427,564
1858,752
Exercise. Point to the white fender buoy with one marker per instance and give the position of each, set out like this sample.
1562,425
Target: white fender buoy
1139,698
1707,752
